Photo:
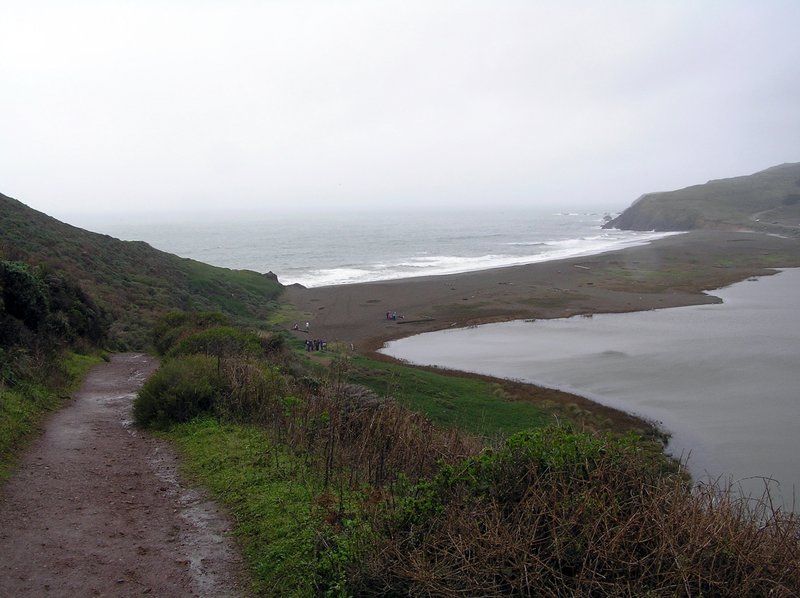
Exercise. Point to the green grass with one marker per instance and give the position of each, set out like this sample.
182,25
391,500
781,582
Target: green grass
476,406
21,410
77,366
285,314
271,496
241,293
23,407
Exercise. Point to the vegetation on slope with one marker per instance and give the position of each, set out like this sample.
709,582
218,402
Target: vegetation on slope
44,319
339,491
555,512
767,201
134,283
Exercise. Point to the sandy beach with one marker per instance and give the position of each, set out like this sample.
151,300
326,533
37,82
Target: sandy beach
671,272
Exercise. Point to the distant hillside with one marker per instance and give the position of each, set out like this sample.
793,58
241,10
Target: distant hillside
132,281
767,201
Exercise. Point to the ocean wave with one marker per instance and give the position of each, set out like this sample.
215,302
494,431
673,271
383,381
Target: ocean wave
331,276
382,246
437,265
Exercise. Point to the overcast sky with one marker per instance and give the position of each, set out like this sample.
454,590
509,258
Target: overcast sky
153,105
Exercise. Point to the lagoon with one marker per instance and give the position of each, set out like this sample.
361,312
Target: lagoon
723,379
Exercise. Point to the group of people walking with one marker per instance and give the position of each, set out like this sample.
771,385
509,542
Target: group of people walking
316,345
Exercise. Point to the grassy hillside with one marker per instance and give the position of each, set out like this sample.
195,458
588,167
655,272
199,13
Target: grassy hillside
133,282
767,201
336,490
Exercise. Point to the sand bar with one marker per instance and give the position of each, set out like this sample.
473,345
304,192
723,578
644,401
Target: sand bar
669,272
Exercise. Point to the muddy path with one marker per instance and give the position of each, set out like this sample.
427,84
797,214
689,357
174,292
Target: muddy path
96,509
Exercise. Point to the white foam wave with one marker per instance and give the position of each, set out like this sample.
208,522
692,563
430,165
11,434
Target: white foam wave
331,276
433,265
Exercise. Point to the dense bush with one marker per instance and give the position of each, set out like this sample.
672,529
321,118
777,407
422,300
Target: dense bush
557,513
34,302
505,475
219,341
73,313
180,390
24,294
224,365
42,313
176,325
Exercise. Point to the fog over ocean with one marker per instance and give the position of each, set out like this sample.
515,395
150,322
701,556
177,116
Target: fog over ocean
723,379
322,248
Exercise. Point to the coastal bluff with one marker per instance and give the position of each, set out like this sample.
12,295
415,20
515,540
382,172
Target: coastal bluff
767,201
132,282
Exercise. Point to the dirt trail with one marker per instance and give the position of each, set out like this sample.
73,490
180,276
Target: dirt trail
95,508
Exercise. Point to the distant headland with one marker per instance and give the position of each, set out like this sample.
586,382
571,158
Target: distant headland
767,201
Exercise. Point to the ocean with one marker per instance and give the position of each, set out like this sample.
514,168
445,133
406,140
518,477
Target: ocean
329,248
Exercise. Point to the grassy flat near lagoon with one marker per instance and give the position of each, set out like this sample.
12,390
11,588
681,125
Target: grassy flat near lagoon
475,406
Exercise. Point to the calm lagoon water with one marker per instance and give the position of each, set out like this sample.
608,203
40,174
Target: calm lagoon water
724,379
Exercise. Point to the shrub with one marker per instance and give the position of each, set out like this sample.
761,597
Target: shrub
254,391
177,325
41,314
46,304
219,341
557,513
506,475
180,390
274,343
24,294
74,314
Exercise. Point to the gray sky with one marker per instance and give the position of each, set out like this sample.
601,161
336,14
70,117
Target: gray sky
153,105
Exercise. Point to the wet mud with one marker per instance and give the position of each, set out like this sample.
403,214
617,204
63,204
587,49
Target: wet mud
96,507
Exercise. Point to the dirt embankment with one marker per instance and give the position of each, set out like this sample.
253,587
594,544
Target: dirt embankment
95,508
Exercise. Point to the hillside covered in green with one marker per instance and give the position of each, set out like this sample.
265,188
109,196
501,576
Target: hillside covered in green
767,201
133,283
339,490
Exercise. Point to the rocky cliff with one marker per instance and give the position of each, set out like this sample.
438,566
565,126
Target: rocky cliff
766,200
